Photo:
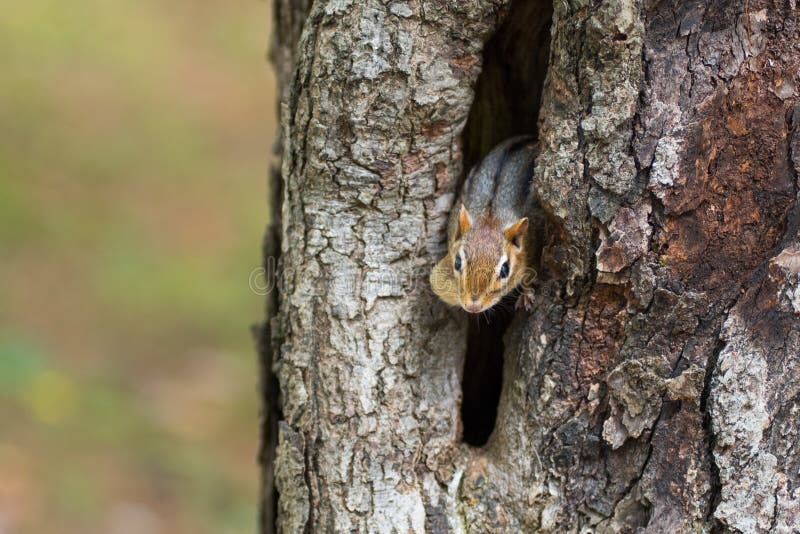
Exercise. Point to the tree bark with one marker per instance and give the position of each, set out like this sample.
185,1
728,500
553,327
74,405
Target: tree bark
655,386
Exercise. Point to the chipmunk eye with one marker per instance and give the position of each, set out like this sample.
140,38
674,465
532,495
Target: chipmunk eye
504,269
457,264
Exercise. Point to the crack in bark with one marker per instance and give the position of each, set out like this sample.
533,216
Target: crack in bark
716,484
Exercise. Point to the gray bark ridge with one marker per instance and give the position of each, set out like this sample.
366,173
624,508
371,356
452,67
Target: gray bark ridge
654,386
369,367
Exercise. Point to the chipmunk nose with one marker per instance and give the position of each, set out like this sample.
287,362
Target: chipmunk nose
473,306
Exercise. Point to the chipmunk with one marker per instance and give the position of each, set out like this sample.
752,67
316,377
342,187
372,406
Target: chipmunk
489,249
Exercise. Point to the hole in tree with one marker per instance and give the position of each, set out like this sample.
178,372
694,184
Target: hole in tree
483,376
507,99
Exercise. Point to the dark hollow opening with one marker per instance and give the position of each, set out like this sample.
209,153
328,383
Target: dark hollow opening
483,375
507,100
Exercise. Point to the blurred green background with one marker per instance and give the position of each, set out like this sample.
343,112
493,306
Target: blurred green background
134,145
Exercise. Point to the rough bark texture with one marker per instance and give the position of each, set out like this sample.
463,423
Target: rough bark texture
656,384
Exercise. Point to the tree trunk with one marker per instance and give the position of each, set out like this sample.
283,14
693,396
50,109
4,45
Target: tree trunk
654,385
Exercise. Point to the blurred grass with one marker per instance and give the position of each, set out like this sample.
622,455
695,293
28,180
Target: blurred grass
134,144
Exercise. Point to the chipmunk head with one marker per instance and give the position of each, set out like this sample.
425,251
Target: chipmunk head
488,260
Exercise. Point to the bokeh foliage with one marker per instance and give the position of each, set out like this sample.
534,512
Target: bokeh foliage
134,143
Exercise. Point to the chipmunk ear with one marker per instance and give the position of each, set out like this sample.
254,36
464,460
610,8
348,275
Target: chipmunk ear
464,222
516,232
